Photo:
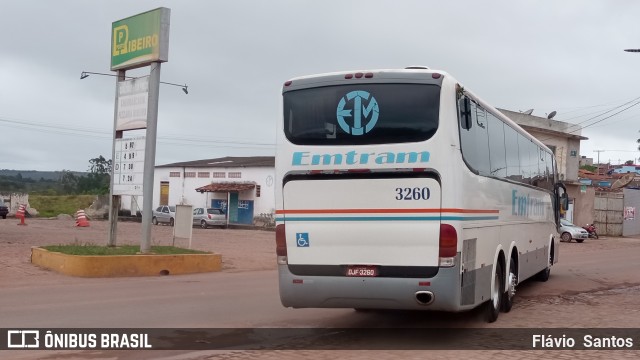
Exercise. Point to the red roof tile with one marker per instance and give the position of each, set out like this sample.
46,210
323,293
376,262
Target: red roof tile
227,187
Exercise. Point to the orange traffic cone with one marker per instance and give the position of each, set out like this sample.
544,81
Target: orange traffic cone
81,219
20,214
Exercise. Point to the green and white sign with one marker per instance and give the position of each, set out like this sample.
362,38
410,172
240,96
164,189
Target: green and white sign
140,39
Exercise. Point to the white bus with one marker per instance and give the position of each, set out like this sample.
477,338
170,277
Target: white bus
401,189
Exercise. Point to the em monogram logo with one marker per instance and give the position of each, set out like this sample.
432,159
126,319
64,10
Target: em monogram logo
360,111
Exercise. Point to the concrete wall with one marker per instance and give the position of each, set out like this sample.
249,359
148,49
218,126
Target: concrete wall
583,204
586,161
631,227
14,200
573,159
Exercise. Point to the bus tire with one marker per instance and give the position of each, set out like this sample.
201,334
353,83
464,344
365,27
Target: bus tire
544,274
510,288
492,307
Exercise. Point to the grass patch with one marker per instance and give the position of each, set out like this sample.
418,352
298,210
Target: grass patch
49,206
118,250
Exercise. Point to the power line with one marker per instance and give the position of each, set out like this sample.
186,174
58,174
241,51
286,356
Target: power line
603,113
588,107
599,121
63,130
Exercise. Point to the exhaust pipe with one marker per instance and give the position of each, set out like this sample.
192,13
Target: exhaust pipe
424,297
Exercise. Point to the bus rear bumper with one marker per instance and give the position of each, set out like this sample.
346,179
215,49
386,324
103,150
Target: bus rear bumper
372,292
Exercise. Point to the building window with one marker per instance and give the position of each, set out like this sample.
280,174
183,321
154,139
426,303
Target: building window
204,174
257,190
174,174
190,174
219,174
235,175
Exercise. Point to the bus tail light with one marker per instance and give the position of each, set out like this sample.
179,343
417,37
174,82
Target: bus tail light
448,245
281,244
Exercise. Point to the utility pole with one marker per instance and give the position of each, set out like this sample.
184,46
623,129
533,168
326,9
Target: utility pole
598,151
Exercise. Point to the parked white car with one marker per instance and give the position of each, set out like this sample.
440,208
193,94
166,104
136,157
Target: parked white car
164,214
570,231
209,217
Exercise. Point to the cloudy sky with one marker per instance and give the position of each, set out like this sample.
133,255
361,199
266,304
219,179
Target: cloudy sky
565,56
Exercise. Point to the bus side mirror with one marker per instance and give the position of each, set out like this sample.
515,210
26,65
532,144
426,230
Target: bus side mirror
465,114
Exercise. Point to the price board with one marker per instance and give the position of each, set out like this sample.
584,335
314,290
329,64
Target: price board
128,166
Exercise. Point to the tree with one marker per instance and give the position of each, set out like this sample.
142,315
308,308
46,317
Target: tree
99,177
629,162
96,182
100,165
69,182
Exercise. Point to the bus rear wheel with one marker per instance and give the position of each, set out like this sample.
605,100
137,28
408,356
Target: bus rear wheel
494,304
511,283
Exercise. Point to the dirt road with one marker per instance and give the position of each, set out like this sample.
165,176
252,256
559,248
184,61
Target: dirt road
595,285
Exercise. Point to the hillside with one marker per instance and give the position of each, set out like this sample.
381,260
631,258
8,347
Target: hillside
37,175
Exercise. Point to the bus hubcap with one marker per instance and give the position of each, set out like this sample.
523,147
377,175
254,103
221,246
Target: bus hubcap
512,284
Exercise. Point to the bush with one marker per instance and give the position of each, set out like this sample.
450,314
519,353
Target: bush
49,206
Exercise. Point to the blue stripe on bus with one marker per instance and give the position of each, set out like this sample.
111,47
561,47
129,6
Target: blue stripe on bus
388,218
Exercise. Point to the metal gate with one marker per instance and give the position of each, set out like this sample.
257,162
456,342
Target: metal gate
609,213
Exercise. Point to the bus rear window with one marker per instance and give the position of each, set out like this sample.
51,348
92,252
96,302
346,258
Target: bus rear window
361,114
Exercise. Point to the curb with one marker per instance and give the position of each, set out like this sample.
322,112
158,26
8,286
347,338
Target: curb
125,265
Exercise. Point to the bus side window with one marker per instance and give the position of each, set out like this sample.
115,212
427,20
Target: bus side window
465,113
497,153
524,148
474,141
512,154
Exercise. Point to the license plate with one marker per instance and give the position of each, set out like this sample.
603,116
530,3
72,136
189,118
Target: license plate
362,271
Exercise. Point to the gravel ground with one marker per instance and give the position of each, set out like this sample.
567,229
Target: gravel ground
242,250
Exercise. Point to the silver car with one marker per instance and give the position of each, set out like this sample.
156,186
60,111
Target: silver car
164,214
570,231
209,217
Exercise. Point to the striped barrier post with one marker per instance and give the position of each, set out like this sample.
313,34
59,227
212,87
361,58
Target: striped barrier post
81,219
21,214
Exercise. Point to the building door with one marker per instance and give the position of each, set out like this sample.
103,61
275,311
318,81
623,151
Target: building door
233,207
245,212
164,193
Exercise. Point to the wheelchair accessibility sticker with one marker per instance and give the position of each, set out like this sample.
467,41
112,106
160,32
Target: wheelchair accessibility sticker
302,239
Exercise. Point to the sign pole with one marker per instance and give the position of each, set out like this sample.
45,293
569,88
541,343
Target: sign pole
114,200
137,41
150,157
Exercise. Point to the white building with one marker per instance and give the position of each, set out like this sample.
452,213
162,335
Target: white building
246,183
